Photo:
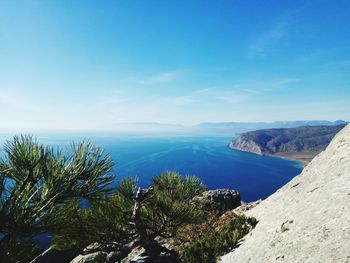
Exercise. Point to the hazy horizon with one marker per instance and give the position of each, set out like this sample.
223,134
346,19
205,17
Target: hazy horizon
87,65
207,128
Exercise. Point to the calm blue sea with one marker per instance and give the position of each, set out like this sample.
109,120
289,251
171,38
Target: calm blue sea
209,158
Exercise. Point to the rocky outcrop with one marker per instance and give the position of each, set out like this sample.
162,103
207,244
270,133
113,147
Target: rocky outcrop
104,253
139,255
224,199
246,144
221,199
301,143
307,220
135,255
96,257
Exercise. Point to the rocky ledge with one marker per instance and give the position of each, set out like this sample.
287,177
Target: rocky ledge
307,220
221,199
224,199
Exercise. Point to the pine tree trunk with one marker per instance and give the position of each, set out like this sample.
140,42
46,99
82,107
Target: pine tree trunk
147,242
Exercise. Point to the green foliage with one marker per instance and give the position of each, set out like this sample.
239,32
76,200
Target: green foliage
37,183
111,219
170,204
217,243
17,250
107,220
41,191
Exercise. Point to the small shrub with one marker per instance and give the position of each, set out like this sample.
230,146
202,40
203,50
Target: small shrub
217,243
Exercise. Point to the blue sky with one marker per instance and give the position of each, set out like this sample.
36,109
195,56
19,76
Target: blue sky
93,64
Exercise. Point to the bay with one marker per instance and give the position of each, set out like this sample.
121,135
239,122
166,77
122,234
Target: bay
209,158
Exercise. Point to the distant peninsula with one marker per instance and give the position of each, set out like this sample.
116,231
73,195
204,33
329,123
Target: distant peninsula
300,143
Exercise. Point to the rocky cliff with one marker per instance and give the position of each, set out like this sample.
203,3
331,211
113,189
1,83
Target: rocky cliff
301,143
307,220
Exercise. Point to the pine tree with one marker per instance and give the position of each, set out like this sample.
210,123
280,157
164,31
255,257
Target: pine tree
42,189
165,206
36,182
107,221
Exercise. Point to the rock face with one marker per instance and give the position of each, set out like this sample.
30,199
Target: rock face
96,257
225,198
246,144
289,142
138,255
106,253
307,220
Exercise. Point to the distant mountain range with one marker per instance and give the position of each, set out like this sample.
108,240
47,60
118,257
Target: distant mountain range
301,143
249,126
219,128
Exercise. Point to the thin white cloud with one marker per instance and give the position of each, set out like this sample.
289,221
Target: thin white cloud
221,94
13,101
183,100
115,98
240,92
272,85
99,112
263,43
159,78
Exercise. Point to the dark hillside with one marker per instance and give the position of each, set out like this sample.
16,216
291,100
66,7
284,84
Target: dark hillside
287,141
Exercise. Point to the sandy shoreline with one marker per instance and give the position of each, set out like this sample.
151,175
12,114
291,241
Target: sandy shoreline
303,157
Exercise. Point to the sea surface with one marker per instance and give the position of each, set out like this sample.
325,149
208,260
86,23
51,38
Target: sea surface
209,158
